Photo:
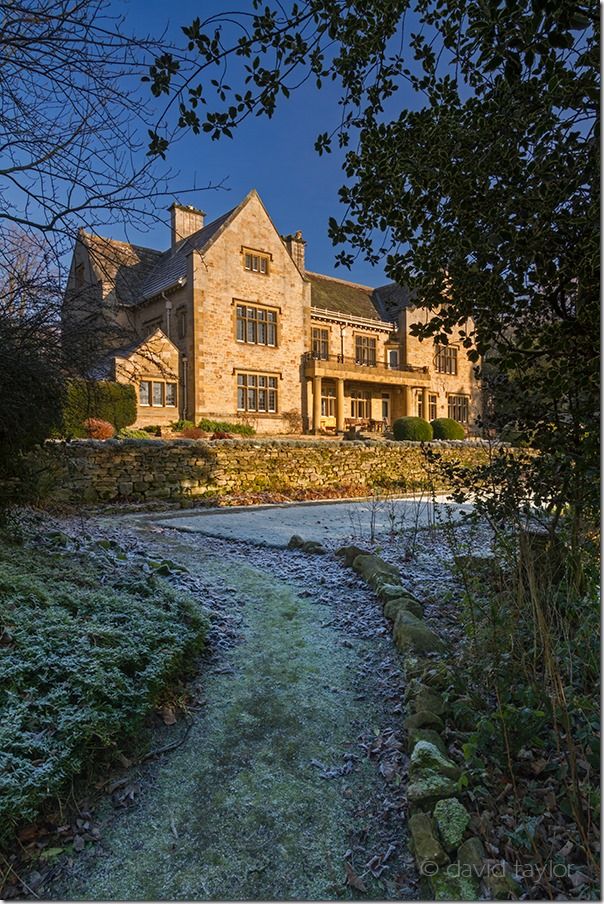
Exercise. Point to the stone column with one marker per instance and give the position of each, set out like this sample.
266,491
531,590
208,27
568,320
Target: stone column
339,405
316,404
425,403
398,404
408,392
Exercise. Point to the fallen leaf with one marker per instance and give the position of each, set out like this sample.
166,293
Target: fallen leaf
167,715
352,879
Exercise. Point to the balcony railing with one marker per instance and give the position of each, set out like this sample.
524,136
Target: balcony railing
362,362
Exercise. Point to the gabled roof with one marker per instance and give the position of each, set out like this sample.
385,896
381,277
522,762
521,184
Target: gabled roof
139,273
105,368
122,265
172,264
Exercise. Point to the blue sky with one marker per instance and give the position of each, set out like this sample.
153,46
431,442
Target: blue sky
276,156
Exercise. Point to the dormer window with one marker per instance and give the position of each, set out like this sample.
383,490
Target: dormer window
256,262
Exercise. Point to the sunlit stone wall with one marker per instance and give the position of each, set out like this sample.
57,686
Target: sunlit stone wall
89,471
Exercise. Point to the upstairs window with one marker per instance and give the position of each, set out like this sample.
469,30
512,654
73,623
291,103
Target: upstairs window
446,359
366,350
320,343
256,262
256,326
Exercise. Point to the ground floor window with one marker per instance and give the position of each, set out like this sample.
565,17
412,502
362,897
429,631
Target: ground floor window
157,393
328,401
360,404
420,403
386,406
432,406
257,393
459,408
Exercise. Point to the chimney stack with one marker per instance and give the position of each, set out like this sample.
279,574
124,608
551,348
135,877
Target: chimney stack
295,246
185,220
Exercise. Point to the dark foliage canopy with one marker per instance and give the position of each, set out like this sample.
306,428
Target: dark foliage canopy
471,169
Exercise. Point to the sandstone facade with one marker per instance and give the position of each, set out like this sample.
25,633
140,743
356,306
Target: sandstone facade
260,337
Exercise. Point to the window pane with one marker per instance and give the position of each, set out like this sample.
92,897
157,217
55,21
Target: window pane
158,394
272,381
262,400
271,338
251,330
171,394
251,399
144,393
248,261
272,400
241,379
240,399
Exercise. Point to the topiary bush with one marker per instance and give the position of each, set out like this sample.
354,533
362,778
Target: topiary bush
415,429
447,428
101,399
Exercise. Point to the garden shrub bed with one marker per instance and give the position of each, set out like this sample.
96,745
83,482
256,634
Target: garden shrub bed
89,642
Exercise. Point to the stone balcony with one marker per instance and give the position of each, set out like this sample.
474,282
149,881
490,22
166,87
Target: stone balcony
340,367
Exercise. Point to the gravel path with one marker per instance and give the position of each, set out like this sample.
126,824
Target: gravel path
290,782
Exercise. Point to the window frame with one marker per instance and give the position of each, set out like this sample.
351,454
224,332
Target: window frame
323,343
360,400
367,343
248,326
328,399
459,401
150,382
432,406
261,259
251,387
446,360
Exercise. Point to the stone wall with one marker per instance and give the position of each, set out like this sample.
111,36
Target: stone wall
89,471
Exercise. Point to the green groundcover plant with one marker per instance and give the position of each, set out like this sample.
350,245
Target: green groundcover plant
89,641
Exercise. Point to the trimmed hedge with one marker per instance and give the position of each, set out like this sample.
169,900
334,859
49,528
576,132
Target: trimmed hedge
112,402
447,428
225,427
415,429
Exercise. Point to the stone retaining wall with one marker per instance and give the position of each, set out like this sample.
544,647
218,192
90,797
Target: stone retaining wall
91,471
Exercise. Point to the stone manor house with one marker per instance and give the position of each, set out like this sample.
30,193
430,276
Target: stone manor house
229,323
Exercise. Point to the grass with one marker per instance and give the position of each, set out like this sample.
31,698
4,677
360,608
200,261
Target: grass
89,642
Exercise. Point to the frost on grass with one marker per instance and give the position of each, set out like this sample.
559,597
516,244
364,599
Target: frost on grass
88,642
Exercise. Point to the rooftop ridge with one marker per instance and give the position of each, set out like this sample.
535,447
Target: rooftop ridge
104,238
344,282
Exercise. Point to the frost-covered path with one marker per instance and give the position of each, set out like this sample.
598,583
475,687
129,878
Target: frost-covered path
290,783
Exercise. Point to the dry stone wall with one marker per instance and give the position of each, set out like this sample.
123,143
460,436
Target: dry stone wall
89,471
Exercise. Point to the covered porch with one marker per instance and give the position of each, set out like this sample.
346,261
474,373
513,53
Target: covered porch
336,404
